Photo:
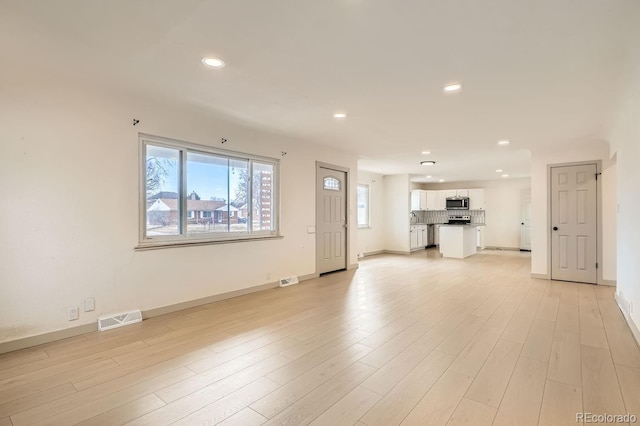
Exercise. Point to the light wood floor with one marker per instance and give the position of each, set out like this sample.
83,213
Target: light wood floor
411,340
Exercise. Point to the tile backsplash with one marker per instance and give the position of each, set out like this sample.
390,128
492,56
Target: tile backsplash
442,216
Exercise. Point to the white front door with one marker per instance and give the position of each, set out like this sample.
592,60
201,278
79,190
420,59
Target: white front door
525,224
331,220
574,223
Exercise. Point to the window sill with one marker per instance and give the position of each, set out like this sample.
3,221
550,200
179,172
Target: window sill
365,227
176,244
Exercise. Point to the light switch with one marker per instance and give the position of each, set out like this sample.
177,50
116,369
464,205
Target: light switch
89,304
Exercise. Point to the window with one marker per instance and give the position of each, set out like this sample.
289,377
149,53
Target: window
194,193
363,206
331,183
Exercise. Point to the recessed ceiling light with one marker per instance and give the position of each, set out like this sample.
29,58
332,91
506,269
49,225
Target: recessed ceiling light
339,115
498,170
505,175
428,163
452,88
429,176
213,62
426,152
503,142
441,180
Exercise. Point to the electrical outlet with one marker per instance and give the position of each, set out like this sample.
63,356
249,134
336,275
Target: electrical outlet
89,304
74,313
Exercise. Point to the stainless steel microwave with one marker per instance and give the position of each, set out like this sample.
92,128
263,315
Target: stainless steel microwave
457,203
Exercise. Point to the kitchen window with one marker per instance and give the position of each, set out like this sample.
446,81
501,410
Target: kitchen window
362,199
197,194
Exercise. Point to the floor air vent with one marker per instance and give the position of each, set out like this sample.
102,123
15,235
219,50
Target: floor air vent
288,281
108,322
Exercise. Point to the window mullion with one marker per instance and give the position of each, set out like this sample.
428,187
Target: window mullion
250,197
228,195
182,193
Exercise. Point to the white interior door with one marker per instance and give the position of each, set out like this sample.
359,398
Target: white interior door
574,223
331,220
525,224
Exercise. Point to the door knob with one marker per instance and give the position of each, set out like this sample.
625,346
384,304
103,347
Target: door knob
555,228
522,223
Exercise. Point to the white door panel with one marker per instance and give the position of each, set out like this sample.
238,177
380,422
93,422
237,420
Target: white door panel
573,221
525,224
331,220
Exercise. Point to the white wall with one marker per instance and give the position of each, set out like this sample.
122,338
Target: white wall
396,213
625,138
371,239
502,208
69,219
609,223
586,151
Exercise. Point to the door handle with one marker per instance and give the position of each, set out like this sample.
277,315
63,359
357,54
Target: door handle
555,228
522,223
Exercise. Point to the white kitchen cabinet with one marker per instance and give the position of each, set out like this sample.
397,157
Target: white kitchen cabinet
476,199
418,199
413,237
480,242
462,192
418,236
435,200
446,193
436,234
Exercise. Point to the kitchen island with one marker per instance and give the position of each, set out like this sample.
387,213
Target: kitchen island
458,240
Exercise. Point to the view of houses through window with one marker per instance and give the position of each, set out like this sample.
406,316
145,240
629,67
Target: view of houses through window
221,194
363,205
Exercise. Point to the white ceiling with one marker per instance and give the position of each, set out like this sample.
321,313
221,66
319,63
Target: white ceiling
541,73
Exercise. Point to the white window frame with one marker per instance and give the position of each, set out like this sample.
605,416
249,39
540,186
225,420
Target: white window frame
368,206
184,238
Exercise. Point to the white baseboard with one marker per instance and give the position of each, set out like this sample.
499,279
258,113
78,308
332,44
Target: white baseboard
27,342
540,276
632,326
501,248
52,336
611,283
150,313
396,252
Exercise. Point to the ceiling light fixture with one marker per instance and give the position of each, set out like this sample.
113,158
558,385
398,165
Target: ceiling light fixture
426,152
216,63
452,88
503,142
498,170
505,175
339,115
429,176
441,180
428,163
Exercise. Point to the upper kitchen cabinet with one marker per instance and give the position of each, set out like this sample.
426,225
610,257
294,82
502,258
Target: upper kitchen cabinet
449,193
476,199
435,200
427,200
418,199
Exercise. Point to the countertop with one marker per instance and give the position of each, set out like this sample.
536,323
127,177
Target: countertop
450,224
